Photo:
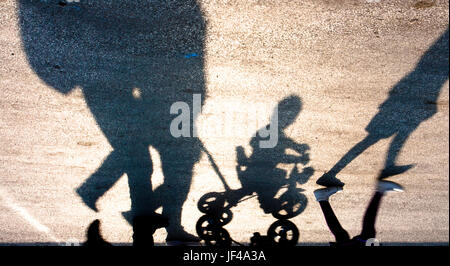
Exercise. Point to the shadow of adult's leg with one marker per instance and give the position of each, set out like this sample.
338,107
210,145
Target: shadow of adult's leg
103,179
178,160
329,178
390,168
368,230
139,169
335,227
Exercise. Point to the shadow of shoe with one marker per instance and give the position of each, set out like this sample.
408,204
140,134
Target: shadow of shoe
329,180
394,170
182,238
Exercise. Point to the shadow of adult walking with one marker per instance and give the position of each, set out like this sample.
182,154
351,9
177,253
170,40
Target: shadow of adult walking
411,101
132,60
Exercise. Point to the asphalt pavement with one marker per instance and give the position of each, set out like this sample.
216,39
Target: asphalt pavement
86,91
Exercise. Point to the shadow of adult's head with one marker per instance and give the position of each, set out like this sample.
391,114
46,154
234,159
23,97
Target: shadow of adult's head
411,101
132,60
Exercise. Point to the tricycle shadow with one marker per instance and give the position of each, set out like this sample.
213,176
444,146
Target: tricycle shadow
277,190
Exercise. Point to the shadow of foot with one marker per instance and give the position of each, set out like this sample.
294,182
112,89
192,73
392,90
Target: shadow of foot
394,170
182,238
145,226
87,198
329,180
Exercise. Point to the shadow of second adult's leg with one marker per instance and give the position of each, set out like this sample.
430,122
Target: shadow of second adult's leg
329,178
411,101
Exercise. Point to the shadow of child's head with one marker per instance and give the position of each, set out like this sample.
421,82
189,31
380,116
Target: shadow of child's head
288,110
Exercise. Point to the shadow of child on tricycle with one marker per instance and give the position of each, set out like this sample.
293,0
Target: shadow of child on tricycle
259,175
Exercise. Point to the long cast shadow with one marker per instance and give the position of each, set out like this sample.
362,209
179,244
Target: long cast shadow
132,60
411,101
259,174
